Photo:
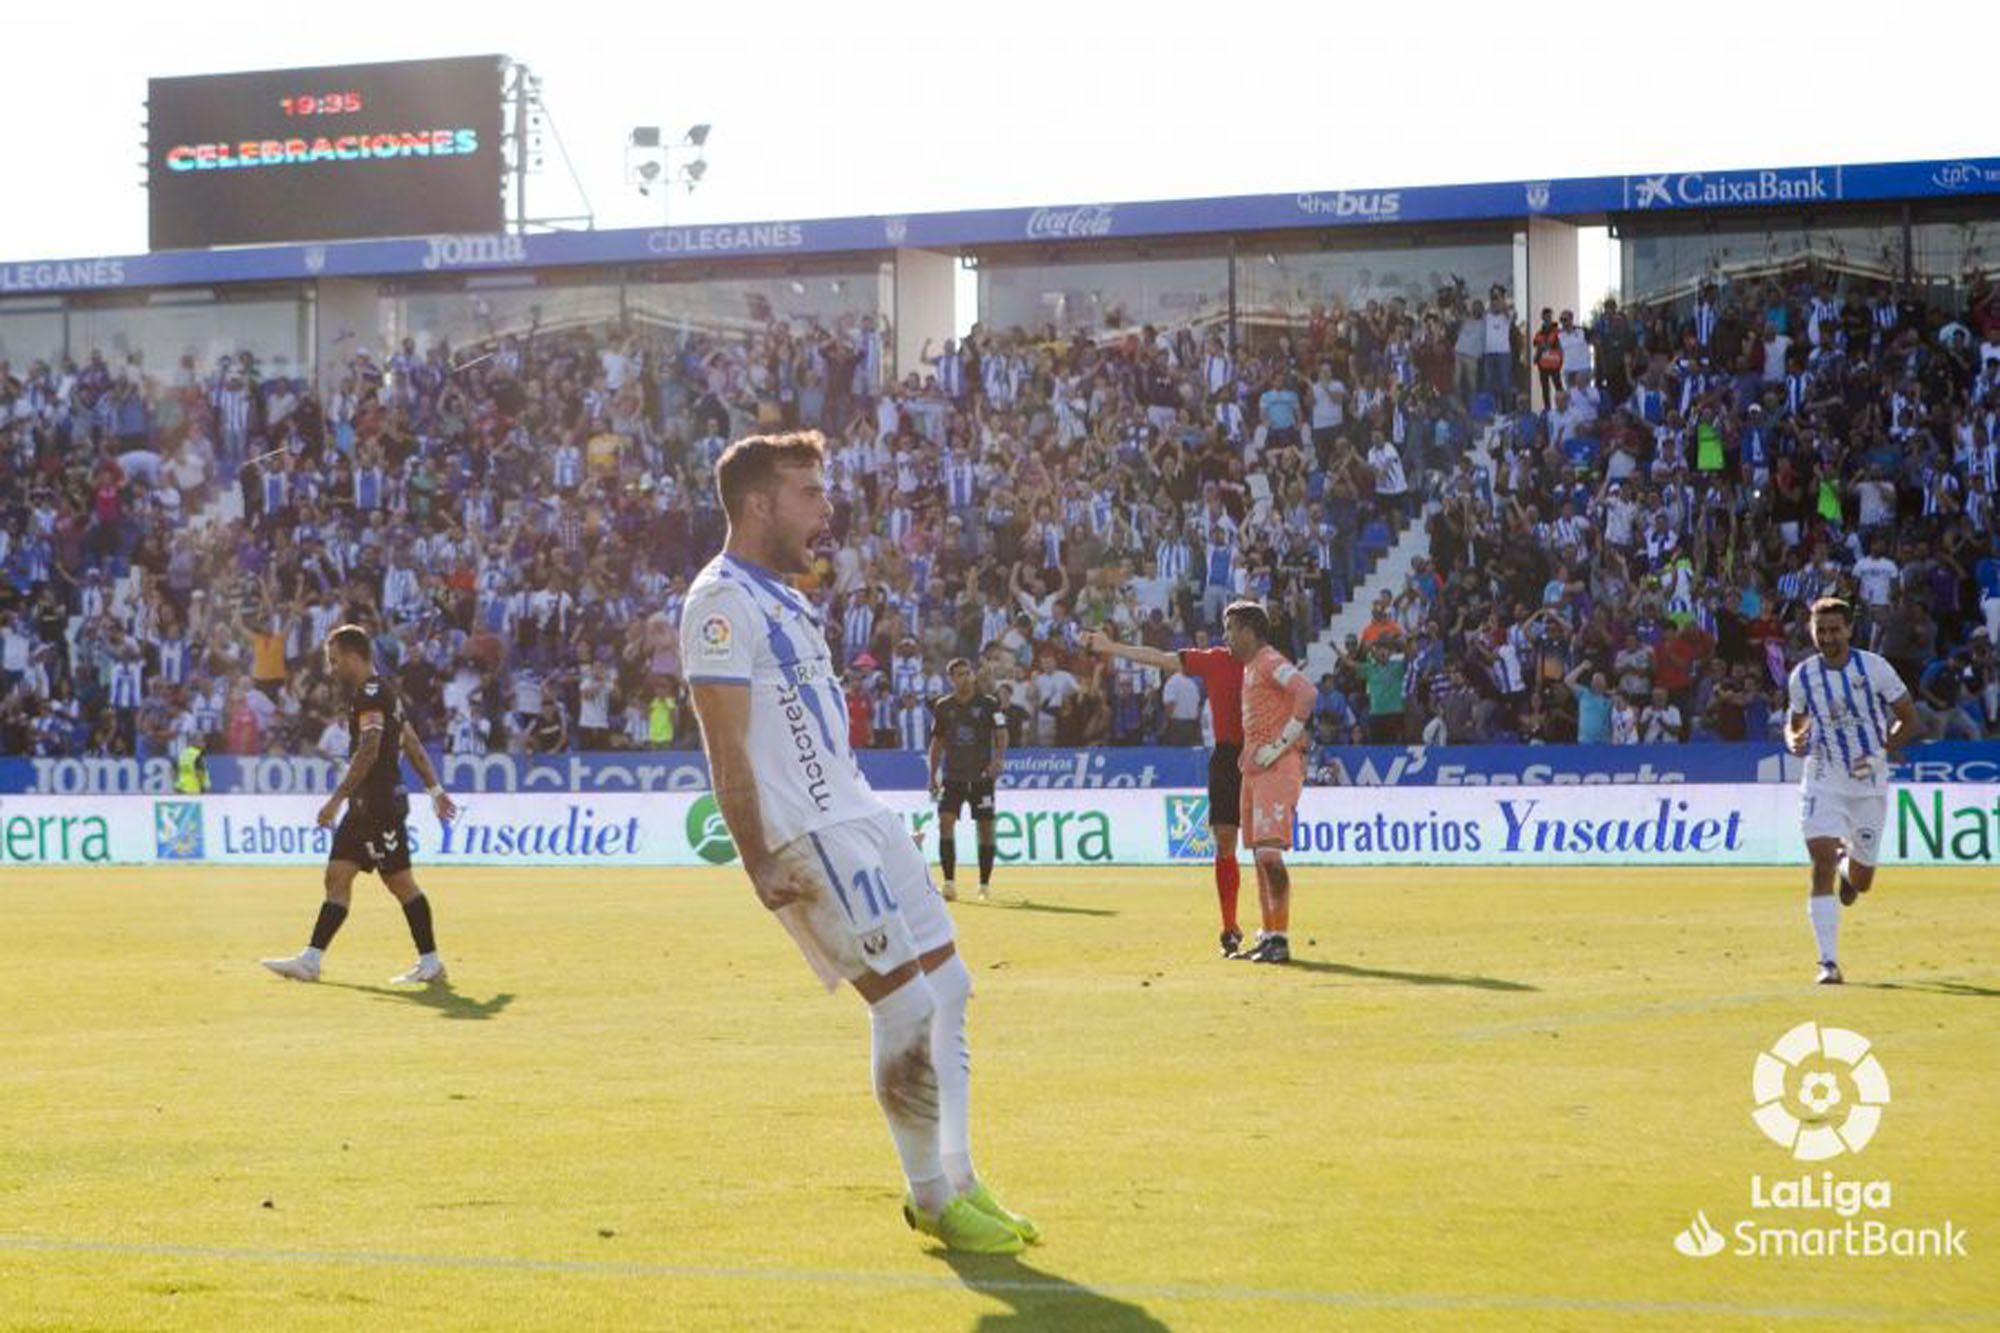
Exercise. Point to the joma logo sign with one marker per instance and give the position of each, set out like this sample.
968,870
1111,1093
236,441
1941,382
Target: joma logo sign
473,251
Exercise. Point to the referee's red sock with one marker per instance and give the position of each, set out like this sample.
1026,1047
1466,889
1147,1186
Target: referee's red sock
1227,879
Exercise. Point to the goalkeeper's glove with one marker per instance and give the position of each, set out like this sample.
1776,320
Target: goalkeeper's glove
1270,752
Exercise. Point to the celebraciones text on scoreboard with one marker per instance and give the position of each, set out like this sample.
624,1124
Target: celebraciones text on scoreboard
339,148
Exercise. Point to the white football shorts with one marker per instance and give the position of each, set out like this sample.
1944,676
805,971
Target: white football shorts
873,907
1855,818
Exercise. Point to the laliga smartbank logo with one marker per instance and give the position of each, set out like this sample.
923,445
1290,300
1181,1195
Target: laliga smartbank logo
1818,1093
1700,1240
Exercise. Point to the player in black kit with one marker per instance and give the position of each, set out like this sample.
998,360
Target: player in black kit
969,742
372,836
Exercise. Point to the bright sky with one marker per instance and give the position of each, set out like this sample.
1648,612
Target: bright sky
883,107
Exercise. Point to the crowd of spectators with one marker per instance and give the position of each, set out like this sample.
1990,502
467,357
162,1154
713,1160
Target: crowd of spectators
517,522
1634,563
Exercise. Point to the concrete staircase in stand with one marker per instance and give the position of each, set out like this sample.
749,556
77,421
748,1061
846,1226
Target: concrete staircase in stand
1389,569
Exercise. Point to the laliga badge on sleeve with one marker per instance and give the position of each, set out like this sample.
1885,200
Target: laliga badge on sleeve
717,638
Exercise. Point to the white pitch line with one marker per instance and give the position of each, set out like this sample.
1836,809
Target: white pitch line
1046,1286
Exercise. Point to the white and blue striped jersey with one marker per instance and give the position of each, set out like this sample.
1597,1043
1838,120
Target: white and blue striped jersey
174,660
857,627
961,483
743,625
913,727
950,370
1851,708
993,625
128,683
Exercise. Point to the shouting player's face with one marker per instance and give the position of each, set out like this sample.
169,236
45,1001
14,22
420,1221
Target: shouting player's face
799,513
1830,633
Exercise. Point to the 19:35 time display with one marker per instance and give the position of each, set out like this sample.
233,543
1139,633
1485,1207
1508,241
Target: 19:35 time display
321,104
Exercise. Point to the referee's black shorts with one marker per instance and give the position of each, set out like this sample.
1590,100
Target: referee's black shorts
1225,784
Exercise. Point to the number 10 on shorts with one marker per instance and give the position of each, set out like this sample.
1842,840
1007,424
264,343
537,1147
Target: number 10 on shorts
872,886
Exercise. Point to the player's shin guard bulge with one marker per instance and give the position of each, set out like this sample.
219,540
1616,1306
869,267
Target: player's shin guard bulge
951,1058
906,1086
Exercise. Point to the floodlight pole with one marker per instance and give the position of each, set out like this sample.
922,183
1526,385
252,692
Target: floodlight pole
520,148
521,93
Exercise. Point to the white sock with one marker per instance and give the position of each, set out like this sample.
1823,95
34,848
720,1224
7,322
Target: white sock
311,955
430,957
906,1087
1824,909
951,1057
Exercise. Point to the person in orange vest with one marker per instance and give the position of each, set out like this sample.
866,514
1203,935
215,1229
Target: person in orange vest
1548,357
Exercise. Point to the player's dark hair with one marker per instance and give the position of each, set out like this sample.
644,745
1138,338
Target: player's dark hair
353,641
1833,606
752,464
1251,614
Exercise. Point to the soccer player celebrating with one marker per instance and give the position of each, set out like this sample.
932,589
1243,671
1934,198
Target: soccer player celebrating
821,849
1277,703
969,739
1850,713
1218,669
372,836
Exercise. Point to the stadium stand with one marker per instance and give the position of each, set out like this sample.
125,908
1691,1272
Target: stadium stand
518,520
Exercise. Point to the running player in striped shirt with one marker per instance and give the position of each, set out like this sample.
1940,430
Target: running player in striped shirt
1849,713
1277,704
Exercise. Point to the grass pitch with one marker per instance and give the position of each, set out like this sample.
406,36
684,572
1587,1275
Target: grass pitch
1481,1101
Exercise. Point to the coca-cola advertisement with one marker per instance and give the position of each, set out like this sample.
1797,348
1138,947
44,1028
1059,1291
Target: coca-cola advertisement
1047,224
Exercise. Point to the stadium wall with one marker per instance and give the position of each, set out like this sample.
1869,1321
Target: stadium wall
1027,769
1954,824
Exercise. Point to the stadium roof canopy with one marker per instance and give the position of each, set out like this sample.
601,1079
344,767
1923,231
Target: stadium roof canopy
1586,199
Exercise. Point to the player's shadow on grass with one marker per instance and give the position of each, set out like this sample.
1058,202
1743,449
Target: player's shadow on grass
1026,906
448,1002
1964,988
1041,1300
1408,978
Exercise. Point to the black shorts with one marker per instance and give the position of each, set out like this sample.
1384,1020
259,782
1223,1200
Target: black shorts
952,798
1225,785
376,839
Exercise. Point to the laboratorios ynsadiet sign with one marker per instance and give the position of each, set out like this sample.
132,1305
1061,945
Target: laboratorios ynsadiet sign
1954,824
